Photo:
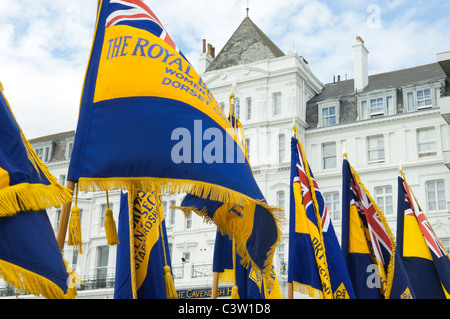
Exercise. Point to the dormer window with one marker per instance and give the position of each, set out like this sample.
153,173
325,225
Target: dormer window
44,152
376,106
328,114
422,97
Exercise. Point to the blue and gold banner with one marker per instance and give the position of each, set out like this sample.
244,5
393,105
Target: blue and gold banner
425,259
368,245
147,120
30,259
249,280
150,247
316,265
25,182
253,227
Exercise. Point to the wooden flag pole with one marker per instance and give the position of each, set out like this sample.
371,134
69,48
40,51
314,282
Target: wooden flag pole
64,219
290,290
215,285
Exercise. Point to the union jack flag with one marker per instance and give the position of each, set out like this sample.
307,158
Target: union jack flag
378,234
433,242
136,13
306,190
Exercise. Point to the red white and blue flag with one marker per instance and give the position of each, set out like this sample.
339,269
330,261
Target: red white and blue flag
136,13
316,264
368,244
424,257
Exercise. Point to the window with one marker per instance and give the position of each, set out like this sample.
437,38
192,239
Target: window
43,153
435,191
237,107
102,262
333,204
383,198
329,155
376,149
249,108
69,149
426,140
62,180
281,259
277,103
376,107
247,145
328,115
410,99
186,257
74,259
280,200
172,213
281,148
102,216
446,244
424,98
58,216
189,221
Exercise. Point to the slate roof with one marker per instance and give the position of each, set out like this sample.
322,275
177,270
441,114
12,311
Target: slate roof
344,91
400,78
59,144
248,44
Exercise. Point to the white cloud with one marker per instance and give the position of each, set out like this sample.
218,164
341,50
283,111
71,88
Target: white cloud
46,43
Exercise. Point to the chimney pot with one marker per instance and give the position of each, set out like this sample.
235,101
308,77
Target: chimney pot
204,45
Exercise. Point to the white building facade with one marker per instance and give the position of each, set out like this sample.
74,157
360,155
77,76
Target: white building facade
381,120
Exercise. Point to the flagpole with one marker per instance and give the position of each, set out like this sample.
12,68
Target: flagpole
215,285
64,219
290,290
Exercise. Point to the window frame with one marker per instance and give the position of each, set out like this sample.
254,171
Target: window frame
381,199
436,198
325,157
376,149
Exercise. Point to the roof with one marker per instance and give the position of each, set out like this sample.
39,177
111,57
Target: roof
248,44
394,79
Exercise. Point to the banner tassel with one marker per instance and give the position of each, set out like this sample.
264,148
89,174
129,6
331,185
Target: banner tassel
234,291
110,225
168,278
75,226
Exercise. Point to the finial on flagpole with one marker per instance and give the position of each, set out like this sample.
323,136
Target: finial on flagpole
294,129
344,151
400,169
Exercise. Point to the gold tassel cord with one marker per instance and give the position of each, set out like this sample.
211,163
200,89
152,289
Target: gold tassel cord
131,196
235,290
168,278
75,227
110,225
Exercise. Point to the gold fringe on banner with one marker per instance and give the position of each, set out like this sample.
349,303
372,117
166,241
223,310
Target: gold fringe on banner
30,282
196,188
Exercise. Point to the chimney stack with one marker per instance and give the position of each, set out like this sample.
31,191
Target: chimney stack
206,57
360,54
